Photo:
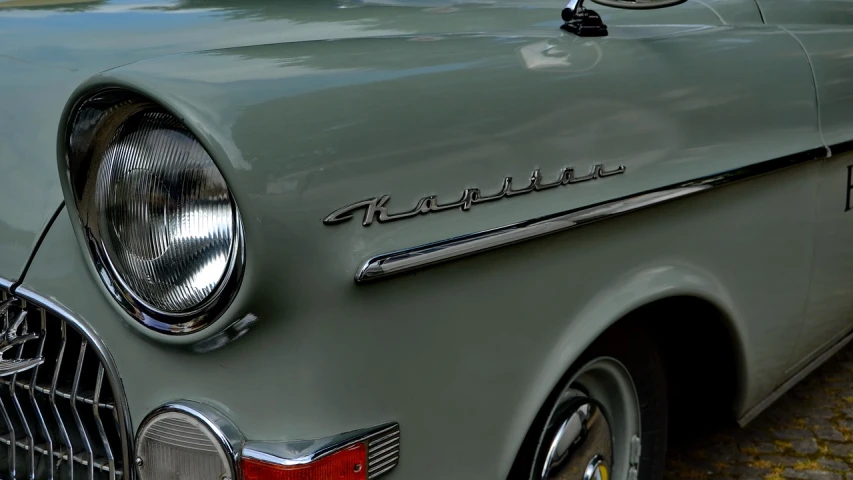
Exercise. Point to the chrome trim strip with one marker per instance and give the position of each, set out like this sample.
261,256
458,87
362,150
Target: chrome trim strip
101,431
81,429
409,259
31,457
4,307
382,443
69,448
45,432
794,380
122,411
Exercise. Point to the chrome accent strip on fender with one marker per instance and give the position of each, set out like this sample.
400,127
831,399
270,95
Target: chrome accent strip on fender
406,260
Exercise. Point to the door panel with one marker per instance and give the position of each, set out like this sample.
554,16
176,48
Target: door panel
829,315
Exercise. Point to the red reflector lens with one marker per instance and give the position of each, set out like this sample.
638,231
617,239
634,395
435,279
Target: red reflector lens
347,464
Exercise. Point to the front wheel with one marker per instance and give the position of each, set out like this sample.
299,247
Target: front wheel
609,419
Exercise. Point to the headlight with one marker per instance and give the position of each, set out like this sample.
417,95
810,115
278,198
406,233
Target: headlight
160,221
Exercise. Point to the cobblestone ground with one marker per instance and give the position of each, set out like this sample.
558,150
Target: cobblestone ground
806,435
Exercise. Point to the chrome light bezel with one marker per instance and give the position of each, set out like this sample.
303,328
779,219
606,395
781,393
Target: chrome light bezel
228,437
81,136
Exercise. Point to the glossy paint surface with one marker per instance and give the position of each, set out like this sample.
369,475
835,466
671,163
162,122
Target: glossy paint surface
453,359
309,106
48,48
807,12
302,130
828,313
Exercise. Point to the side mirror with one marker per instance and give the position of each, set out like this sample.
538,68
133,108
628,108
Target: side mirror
587,23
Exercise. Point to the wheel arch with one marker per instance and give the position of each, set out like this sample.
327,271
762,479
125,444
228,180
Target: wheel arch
666,301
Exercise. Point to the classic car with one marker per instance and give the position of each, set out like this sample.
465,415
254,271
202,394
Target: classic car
412,239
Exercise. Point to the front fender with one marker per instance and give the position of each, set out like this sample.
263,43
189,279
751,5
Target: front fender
470,349
641,286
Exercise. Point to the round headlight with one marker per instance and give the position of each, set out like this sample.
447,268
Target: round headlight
159,218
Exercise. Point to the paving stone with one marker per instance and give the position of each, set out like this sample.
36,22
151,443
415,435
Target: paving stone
780,461
811,475
835,465
792,434
729,453
830,434
841,449
748,471
823,412
766,448
806,446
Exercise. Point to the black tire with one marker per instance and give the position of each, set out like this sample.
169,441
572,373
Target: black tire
635,349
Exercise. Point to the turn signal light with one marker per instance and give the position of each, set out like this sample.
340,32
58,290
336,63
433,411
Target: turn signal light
347,464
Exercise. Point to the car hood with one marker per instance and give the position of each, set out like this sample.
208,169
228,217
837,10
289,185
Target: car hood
95,35
48,48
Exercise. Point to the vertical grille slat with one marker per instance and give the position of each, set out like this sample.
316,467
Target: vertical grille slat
4,307
69,448
45,431
80,427
11,433
31,457
62,417
96,412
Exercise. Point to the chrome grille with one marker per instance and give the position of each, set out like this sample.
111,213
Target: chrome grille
59,419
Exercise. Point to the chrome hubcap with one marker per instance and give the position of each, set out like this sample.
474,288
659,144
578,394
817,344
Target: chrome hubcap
593,431
596,470
582,446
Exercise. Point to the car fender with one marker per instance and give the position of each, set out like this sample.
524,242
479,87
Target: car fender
623,296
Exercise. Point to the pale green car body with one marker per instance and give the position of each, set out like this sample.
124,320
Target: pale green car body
308,106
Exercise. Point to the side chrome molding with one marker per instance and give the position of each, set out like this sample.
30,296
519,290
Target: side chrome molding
402,261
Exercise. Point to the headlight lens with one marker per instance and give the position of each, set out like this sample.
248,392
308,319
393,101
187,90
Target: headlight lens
169,223
187,441
159,216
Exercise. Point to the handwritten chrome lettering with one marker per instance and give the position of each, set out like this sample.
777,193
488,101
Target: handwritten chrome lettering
375,208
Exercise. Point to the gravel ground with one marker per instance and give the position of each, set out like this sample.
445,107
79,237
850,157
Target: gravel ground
806,435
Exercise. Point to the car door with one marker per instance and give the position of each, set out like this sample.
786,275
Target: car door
719,106
825,29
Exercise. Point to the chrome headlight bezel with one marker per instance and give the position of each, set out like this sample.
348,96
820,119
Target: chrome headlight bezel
92,121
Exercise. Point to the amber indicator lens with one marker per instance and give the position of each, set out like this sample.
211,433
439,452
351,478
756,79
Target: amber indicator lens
347,464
